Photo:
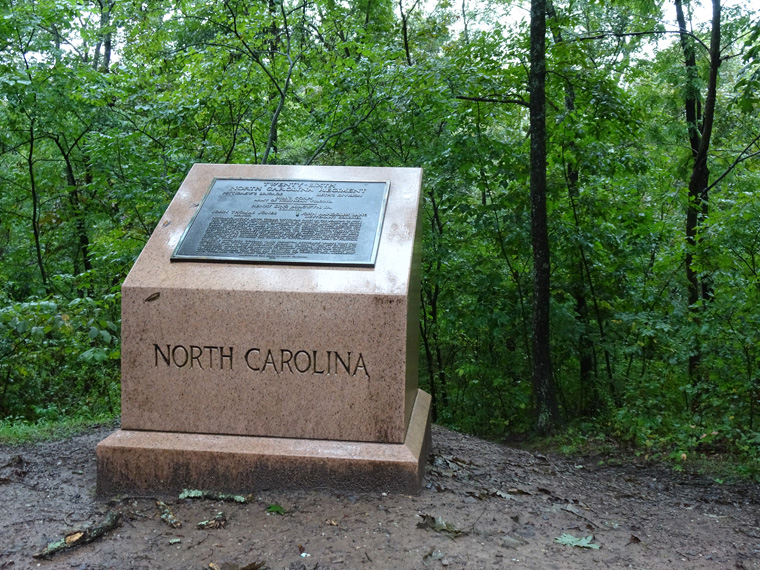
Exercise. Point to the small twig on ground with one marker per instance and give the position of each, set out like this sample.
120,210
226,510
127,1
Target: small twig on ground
572,510
472,527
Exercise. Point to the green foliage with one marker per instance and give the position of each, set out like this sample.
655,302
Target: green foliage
276,509
59,359
96,143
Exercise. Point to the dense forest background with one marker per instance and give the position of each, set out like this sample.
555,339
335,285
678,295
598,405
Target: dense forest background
652,190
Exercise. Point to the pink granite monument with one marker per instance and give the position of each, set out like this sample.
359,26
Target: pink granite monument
270,336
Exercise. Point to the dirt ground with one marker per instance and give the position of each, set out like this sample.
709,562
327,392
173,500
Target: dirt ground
483,506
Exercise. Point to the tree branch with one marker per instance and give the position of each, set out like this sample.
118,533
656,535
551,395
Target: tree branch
739,159
344,130
601,35
520,102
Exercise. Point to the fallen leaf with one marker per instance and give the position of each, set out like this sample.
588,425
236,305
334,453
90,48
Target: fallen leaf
439,525
275,508
570,540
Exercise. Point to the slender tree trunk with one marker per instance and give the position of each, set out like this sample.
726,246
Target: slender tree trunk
76,208
35,205
544,389
425,334
405,30
431,341
79,221
105,28
578,289
699,284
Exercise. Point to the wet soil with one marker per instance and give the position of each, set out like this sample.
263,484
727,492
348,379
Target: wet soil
483,505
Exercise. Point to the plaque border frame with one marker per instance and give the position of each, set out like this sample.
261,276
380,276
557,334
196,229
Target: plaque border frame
176,257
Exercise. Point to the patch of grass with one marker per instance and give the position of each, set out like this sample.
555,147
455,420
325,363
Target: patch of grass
14,432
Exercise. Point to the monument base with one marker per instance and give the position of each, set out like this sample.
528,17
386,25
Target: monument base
140,462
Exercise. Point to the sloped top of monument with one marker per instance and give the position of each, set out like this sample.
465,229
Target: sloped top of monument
254,227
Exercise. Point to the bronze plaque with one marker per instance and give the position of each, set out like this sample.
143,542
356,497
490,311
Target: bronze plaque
286,221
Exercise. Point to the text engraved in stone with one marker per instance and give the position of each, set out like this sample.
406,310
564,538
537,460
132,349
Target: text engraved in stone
277,361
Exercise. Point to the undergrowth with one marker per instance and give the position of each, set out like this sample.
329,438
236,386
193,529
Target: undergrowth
23,431
697,451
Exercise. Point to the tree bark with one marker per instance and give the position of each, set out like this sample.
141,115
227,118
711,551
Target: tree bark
544,390
35,204
699,284
578,289
405,31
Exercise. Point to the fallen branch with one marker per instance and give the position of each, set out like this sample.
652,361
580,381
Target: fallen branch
213,496
83,536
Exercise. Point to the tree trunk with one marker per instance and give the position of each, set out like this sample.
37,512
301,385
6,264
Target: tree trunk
105,31
405,31
544,390
578,289
35,205
77,211
699,284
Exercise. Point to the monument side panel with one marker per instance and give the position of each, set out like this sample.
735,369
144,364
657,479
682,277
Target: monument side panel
413,299
277,365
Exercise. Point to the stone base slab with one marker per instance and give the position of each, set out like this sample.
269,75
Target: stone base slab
139,462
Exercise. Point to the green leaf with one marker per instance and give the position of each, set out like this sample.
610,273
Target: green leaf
275,508
570,540
94,355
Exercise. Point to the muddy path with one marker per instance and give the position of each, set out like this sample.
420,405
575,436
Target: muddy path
483,506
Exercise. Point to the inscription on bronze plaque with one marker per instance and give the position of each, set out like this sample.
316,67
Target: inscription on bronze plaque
286,221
